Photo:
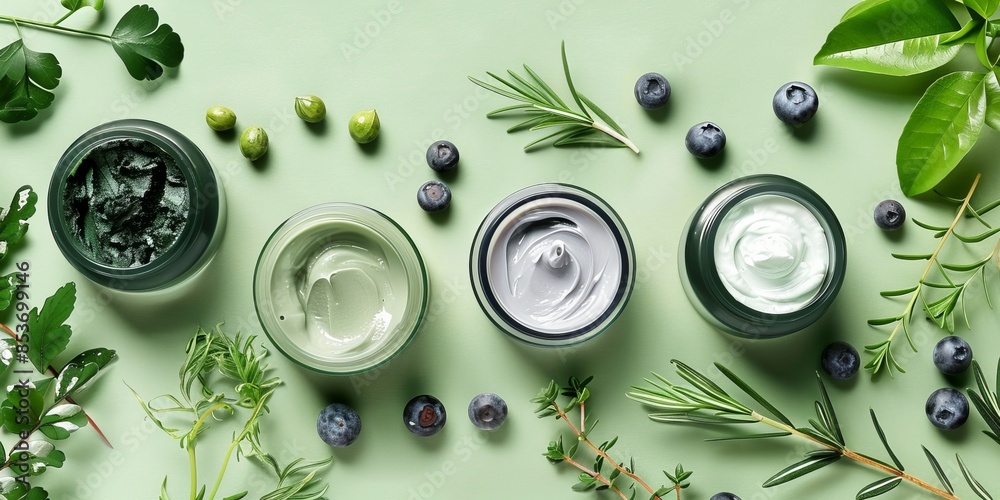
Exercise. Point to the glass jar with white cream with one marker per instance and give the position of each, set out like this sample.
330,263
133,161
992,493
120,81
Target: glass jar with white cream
763,256
552,265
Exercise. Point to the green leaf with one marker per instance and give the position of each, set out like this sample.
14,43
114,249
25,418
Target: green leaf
883,37
976,486
968,34
144,46
982,47
897,293
75,5
885,443
938,471
799,469
14,220
8,287
82,370
985,8
861,7
49,336
17,421
765,435
26,77
752,393
569,81
879,487
831,415
601,114
992,110
906,256
943,127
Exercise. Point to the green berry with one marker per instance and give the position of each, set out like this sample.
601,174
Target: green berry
310,108
364,126
220,118
253,143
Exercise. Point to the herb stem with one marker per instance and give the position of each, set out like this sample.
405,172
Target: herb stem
54,373
53,27
855,456
614,133
225,464
603,480
63,18
599,451
193,466
931,264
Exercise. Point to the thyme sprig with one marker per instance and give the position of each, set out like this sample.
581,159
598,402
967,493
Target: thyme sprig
704,402
942,286
545,109
986,401
594,477
211,354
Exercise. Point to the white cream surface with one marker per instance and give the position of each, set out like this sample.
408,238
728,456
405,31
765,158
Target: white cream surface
772,254
554,265
338,294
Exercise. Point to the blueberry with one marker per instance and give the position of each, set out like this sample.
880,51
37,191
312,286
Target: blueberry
434,196
652,91
947,408
795,103
705,140
952,355
442,156
840,360
889,215
725,495
338,425
487,411
424,415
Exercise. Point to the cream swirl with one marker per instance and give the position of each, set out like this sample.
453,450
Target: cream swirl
560,266
772,254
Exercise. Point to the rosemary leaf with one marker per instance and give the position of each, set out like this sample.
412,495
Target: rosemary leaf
938,470
879,487
802,468
881,437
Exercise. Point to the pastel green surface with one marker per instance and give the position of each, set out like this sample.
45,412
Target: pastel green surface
409,60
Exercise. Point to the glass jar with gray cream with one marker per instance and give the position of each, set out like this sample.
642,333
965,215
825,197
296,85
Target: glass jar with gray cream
552,265
763,256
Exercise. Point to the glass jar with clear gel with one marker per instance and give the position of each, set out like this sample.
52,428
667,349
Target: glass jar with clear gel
340,288
552,265
135,206
763,256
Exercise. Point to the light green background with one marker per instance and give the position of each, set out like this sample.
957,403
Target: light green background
724,59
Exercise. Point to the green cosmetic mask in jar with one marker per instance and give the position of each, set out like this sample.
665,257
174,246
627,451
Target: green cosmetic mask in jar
136,206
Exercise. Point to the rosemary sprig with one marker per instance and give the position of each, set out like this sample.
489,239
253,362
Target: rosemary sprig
940,290
594,477
986,401
704,402
238,362
545,109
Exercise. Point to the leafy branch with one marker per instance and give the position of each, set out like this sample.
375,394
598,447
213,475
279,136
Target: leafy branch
594,477
545,109
706,403
28,77
986,401
46,405
941,289
237,362
907,37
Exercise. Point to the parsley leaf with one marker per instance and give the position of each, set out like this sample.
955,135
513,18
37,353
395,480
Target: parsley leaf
144,46
26,77
48,333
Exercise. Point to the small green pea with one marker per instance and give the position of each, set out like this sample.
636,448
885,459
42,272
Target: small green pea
364,126
220,118
253,143
310,108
